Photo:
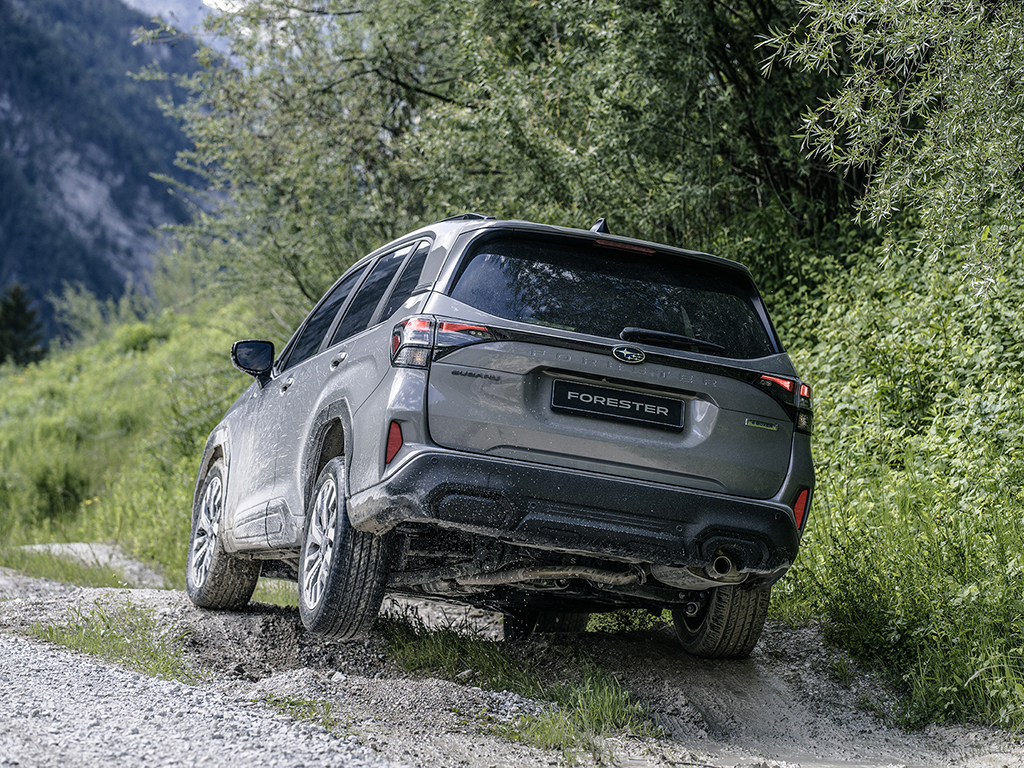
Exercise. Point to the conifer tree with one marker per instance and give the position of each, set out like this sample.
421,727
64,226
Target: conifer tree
21,333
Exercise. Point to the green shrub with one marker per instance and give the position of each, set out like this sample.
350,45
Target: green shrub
914,554
59,489
136,337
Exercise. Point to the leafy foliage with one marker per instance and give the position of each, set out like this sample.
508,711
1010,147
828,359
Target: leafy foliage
334,127
301,126
913,551
930,107
655,115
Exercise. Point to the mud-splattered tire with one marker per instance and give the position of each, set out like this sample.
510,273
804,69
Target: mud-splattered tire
520,623
727,625
342,571
215,578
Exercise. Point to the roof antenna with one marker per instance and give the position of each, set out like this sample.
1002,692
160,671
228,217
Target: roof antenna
601,226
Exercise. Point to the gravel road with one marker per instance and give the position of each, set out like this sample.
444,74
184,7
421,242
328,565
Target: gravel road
59,709
782,708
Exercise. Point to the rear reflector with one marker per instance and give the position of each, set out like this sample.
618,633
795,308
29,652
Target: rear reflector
394,442
800,507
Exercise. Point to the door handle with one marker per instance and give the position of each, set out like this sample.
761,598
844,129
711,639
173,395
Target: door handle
288,382
338,359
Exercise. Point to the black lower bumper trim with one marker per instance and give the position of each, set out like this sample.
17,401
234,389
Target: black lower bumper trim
570,511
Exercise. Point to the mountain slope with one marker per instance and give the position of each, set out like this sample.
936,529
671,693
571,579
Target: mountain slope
79,140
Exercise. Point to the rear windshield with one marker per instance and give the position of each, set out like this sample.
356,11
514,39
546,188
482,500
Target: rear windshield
600,291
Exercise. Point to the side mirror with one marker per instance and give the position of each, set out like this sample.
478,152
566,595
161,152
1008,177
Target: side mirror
253,357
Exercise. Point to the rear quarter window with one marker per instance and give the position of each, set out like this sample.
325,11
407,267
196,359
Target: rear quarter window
586,288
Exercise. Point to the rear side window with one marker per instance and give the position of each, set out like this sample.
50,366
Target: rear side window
599,291
408,281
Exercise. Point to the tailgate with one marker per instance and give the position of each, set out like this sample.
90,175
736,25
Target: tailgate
654,421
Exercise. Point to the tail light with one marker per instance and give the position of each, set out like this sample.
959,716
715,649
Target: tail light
795,397
416,340
805,408
412,341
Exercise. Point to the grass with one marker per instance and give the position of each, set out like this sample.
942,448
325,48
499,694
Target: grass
277,592
930,594
315,712
47,565
102,442
128,635
587,703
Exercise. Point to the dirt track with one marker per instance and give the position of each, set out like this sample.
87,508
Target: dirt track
783,707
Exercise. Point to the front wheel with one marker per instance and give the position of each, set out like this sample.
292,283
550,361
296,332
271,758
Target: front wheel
215,578
725,622
342,571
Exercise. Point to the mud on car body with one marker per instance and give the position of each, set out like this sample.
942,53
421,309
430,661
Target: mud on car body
541,421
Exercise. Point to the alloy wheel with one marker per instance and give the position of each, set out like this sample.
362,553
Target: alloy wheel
320,543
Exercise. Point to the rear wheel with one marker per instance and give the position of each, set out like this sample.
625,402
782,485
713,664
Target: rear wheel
215,578
342,571
726,622
523,622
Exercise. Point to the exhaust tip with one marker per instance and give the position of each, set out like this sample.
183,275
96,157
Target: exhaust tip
721,567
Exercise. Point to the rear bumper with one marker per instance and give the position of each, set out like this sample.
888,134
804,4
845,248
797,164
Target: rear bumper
582,513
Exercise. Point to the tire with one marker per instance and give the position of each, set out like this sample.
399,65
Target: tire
215,578
522,622
342,571
727,624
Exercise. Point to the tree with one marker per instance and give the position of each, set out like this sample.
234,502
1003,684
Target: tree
21,333
297,132
656,115
330,128
930,107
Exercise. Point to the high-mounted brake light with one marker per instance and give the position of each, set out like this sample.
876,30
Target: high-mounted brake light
624,246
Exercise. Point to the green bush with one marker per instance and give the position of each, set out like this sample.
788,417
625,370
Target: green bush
136,337
915,554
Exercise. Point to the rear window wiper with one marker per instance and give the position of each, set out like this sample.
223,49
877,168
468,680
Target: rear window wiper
666,339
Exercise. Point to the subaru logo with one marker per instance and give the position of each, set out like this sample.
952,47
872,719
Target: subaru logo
628,354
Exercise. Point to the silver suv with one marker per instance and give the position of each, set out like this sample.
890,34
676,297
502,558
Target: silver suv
541,421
